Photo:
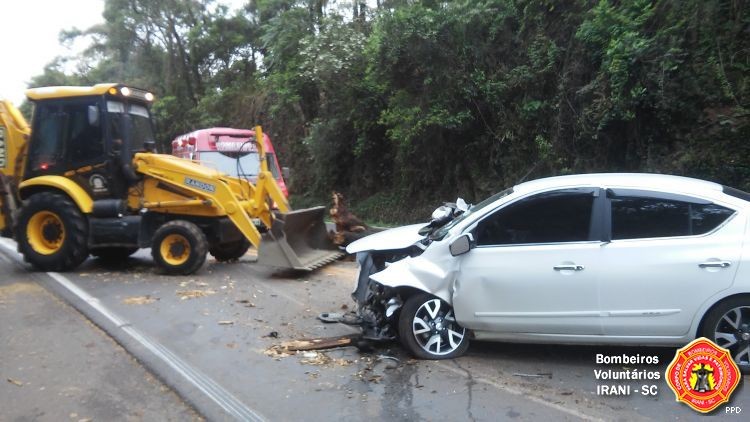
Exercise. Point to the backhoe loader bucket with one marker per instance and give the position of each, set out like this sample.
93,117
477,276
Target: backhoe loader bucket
298,240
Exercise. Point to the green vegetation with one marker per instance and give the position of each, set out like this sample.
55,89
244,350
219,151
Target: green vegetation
408,103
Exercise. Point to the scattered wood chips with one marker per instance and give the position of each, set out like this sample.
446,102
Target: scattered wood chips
193,294
322,359
139,300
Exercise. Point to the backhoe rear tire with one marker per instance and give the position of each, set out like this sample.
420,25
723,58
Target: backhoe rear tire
52,233
230,251
179,247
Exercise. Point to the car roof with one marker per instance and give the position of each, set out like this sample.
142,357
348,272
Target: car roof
646,181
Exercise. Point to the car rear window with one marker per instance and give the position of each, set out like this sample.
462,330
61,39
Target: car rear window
639,217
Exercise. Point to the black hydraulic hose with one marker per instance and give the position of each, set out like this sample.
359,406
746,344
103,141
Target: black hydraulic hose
240,170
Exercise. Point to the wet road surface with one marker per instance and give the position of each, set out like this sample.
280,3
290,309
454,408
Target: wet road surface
56,365
221,324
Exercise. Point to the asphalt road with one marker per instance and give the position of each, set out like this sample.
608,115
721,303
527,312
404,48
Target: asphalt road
211,336
56,365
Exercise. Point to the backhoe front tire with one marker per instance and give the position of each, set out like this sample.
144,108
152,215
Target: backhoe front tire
179,247
52,233
230,251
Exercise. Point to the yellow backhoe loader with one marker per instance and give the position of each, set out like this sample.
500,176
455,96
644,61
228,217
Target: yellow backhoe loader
84,179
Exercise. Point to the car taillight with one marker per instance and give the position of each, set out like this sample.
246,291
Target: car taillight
191,141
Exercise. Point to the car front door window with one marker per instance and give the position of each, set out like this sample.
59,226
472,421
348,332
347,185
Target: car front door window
554,217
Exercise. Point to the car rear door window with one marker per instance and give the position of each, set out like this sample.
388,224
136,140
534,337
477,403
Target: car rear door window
705,218
636,217
553,217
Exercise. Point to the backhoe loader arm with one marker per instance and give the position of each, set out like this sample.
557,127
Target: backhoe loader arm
14,135
296,239
266,186
193,189
185,187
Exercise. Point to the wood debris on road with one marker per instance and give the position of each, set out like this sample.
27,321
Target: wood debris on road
15,382
289,348
193,294
139,300
319,343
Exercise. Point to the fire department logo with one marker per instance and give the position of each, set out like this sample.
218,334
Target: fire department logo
703,375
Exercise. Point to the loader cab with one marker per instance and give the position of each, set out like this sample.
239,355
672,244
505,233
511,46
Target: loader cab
89,135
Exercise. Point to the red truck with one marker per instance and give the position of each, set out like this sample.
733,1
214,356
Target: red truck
231,151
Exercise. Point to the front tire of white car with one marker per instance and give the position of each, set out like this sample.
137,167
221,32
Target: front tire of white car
427,327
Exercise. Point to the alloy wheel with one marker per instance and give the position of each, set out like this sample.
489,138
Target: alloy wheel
732,332
435,328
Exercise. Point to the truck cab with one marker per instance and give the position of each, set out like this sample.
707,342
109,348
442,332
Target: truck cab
231,151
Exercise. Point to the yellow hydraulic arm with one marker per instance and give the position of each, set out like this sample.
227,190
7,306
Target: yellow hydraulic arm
178,186
14,135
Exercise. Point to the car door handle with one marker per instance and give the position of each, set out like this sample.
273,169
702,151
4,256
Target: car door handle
568,268
715,264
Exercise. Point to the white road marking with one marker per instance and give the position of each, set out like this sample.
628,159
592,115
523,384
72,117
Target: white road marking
202,382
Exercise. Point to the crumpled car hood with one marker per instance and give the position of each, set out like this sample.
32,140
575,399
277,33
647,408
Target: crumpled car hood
397,238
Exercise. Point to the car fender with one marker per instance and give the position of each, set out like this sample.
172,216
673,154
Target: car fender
709,303
424,272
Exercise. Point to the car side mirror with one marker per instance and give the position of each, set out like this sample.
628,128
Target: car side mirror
461,244
286,173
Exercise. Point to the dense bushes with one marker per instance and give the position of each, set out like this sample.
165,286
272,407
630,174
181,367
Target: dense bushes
414,102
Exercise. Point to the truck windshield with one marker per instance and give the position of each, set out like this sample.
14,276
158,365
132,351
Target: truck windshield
131,121
227,162
248,165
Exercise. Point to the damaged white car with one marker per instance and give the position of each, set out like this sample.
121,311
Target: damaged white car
636,259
